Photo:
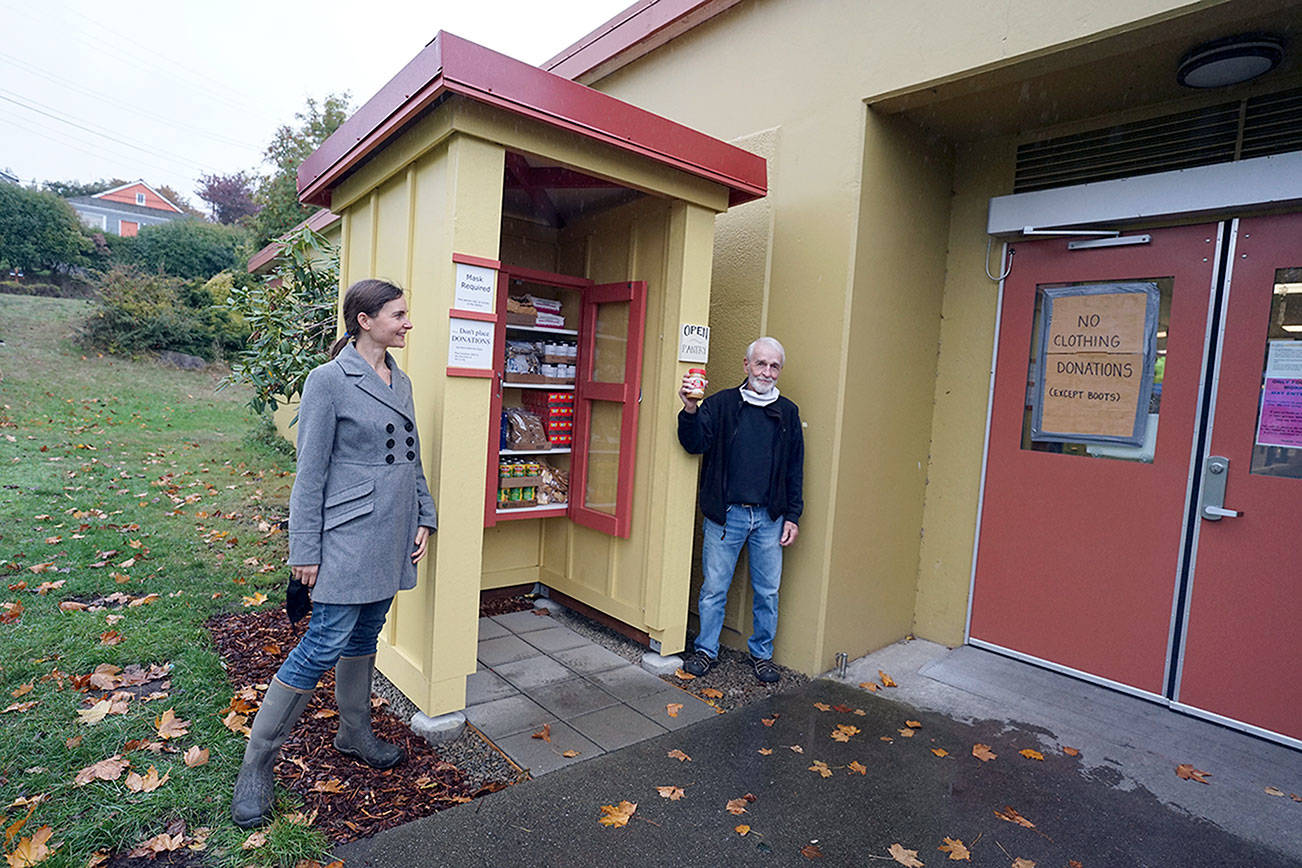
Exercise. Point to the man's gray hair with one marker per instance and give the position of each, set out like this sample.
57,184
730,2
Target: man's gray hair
771,343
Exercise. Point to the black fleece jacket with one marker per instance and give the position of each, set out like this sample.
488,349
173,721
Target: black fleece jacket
709,432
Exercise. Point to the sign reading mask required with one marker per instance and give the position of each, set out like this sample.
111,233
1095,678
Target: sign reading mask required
1094,373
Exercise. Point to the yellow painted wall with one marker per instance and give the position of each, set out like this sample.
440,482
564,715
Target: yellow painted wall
967,328
404,214
875,232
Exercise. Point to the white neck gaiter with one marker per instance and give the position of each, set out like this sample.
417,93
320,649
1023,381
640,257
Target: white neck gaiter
750,396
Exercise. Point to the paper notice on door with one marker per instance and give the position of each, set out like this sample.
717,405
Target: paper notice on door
1280,420
1094,377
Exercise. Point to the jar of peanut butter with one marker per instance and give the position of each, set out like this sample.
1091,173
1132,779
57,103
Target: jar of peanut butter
696,383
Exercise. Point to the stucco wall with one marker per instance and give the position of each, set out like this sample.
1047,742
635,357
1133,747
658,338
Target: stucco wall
869,280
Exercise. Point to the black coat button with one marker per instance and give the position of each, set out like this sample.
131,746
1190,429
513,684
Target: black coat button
407,426
388,429
411,441
388,444
388,459
411,456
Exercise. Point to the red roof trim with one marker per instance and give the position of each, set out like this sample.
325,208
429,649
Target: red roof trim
452,65
638,30
318,222
141,183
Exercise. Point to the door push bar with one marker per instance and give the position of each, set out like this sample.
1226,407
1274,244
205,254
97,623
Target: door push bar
1212,506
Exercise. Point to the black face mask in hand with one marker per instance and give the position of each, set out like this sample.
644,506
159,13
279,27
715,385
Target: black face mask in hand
298,600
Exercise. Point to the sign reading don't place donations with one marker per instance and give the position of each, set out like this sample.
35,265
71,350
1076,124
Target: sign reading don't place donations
1094,370
470,344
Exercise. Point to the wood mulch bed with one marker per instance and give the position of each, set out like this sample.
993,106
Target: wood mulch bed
351,800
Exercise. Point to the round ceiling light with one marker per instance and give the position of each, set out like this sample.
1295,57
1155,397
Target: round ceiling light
1226,62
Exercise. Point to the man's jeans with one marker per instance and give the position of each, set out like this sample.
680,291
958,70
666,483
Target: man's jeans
720,548
336,630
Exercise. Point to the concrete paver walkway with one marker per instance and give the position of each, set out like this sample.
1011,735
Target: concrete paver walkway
535,672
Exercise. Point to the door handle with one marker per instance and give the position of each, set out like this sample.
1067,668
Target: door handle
1212,506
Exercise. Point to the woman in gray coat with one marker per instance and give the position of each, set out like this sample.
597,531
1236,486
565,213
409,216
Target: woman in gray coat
360,517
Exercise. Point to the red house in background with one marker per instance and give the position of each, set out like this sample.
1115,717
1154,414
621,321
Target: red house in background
124,209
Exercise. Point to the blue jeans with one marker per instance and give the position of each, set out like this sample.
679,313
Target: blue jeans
336,630
746,525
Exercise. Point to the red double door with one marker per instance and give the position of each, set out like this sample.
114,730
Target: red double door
1109,559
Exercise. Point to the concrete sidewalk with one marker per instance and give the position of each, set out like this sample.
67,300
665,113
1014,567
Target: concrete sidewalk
1117,803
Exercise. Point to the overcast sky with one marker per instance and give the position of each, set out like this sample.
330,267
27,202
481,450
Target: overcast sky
169,91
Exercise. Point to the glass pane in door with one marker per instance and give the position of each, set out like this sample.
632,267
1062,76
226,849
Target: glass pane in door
610,342
602,486
1277,448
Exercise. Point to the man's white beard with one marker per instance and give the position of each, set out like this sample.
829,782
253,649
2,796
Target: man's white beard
758,386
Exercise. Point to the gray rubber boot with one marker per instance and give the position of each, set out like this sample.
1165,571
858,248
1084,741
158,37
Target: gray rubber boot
255,786
353,696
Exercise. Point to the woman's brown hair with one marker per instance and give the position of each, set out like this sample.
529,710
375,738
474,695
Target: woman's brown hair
364,296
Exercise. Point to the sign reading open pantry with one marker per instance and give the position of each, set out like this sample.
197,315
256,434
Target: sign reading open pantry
1095,369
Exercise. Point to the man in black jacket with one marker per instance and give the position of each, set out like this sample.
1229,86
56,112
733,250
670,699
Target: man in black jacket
751,478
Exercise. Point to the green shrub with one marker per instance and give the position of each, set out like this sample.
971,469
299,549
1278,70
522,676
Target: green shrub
138,311
182,248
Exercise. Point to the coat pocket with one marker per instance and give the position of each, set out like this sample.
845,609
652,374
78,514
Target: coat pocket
348,503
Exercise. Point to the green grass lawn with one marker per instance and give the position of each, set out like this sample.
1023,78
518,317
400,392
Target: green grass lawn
122,477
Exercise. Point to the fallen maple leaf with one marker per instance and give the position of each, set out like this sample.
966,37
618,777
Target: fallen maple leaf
673,708
736,806
569,754
769,721
110,637
983,752
334,785
940,751
683,675
1187,772
255,599
195,756
617,815
254,841
742,829
1071,751
956,850
795,748
913,724
765,751
236,722
906,733
843,732
672,793
1011,816
31,851
1032,754
324,714
711,693
96,713
811,851
545,733
21,706
858,768
1274,791
908,858
160,843
887,681
821,767
170,726
12,612
105,770
822,706
868,685
678,755
148,783
1023,863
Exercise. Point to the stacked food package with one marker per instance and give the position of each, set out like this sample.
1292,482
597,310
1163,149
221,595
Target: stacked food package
530,481
556,412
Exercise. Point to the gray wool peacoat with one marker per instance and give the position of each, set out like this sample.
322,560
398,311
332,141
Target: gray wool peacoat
360,492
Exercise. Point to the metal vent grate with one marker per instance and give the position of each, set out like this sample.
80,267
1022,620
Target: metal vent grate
1261,125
